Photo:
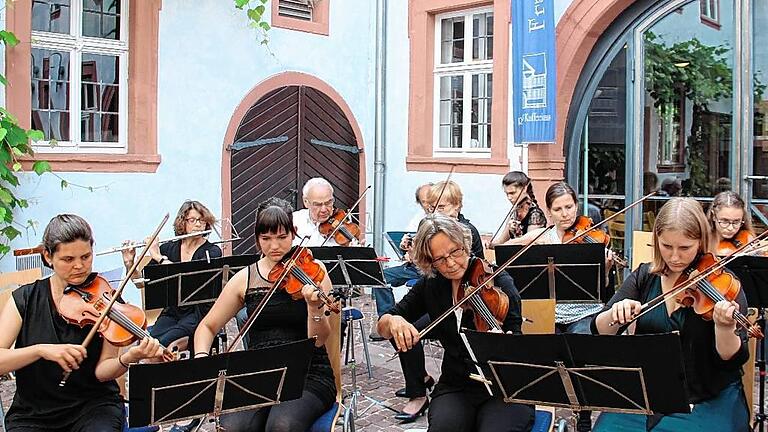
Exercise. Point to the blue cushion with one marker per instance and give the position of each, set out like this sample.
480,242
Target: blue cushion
352,313
325,422
542,421
411,283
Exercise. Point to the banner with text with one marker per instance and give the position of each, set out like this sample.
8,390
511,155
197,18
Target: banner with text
533,65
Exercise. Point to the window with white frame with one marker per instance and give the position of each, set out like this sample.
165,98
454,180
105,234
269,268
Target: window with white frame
463,82
710,10
79,75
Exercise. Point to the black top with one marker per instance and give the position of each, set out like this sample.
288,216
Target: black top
535,216
284,320
433,296
39,402
477,243
172,250
706,373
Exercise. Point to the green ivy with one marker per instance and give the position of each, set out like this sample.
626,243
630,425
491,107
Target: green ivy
255,10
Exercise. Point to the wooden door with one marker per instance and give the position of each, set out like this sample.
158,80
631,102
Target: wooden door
288,136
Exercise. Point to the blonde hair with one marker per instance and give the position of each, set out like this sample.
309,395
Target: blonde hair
429,227
732,200
686,216
452,194
179,224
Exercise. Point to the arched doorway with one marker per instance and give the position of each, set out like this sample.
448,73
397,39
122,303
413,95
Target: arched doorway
289,129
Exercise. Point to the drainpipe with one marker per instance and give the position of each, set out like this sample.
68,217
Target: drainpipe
379,162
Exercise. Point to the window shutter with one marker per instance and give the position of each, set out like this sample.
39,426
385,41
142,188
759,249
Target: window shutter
298,9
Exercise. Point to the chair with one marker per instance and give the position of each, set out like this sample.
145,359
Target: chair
327,421
544,419
350,314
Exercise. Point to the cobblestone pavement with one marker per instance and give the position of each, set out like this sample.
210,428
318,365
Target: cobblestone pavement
387,378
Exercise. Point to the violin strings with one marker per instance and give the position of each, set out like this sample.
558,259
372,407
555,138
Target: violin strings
710,291
481,308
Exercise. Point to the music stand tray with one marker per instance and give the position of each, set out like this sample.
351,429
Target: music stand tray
192,282
242,380
583,372
573,273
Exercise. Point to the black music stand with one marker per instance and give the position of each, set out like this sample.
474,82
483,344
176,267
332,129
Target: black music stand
243,380
752,272
350,267
584,372
572,273
192,282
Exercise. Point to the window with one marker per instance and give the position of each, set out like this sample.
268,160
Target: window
309,16
710,12
672,135
463,83
79,70
299,9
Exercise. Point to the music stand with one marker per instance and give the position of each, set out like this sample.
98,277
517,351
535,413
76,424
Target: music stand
752,272
572,273
582,372
347,268
161,393
192,282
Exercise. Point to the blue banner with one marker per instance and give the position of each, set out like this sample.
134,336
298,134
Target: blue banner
533,65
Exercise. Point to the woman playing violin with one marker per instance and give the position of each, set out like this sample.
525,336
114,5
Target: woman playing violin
441,251
527,215
730,223
46,345
282,320
714,351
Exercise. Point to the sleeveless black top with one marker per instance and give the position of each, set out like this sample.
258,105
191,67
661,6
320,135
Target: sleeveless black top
39,402
284,320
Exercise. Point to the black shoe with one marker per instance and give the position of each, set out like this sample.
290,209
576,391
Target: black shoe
410,418
375,337
186,428
429,383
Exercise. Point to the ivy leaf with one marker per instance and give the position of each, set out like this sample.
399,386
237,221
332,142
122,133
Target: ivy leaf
5,196
16,166
3,212
260,9
41,167
3,79
4,249
3,133
64,184
241,3
35,135
264,25
10,232
254,14
9,38
23,203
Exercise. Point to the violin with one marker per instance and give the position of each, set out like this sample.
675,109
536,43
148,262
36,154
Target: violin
728,246
304,270
125,323
583,232
719,285
520,211
491,304
346,231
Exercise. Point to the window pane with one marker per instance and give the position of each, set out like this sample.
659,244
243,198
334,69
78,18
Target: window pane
451,110
101,19
50,93
51,16
482,37
481,110
452,37
760,90
100,98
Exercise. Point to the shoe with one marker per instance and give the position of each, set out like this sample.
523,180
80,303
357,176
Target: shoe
186,428
375,337
410,418
429,383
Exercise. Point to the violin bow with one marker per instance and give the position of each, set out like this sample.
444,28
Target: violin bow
263,303
512,210
477,289
348,215
442,190
610,218
116,294
658,300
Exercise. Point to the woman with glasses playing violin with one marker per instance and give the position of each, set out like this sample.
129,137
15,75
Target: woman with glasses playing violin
176,322
282,320
730,222
441,251
713,350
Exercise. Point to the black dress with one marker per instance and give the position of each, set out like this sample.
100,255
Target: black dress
176,322
39,402
458,402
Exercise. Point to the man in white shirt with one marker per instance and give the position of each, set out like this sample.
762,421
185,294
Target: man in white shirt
317,196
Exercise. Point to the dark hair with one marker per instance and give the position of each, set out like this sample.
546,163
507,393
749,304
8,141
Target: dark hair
65,228
271,215
557,190
180,223
519,179
418,189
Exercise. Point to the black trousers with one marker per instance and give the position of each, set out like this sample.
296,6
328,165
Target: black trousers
102,418
413,365
296,415
473,410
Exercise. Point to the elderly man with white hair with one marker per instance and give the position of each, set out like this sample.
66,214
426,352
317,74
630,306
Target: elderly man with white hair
317,195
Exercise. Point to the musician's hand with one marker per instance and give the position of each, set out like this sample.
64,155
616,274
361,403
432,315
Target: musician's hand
148,348
406,242
68,356
404,333
310,296
129,255
625,310
154,249
722,314
608,260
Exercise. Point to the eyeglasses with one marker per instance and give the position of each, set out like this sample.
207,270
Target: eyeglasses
193,220
328,203
725,223
453,255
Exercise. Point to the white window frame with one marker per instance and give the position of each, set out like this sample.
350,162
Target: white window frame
467,68
77,44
